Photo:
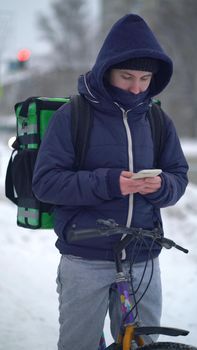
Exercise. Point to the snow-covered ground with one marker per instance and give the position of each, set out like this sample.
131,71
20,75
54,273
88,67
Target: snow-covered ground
28,263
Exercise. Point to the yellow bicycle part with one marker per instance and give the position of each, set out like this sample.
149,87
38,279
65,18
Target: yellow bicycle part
140,341
129,335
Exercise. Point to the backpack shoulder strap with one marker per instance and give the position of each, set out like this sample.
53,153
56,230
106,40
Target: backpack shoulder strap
156,119
81,125
9,190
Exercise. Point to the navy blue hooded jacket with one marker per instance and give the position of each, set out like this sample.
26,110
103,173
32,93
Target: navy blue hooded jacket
120,140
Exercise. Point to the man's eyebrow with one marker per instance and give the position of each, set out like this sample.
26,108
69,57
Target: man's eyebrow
128,73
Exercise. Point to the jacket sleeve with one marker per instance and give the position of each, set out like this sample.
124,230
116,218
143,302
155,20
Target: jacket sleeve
174,170
54,181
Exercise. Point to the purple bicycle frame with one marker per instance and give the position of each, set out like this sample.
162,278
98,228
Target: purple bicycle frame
122,286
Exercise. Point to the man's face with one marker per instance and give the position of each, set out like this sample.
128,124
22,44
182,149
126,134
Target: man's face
134,81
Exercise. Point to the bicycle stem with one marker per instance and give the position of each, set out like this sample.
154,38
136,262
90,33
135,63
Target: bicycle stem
118,248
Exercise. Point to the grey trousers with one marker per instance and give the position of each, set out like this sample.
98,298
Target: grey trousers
85,296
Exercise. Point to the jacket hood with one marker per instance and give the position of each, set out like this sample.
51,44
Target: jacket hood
131,37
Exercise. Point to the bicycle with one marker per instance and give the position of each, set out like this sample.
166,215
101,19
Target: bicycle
131,334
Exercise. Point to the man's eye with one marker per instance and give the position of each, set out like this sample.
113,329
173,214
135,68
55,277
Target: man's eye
126,77
146,78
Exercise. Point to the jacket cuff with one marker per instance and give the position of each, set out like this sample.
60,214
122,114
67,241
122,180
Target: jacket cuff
113,182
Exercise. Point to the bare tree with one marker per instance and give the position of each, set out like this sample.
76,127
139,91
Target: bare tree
68,32
174,22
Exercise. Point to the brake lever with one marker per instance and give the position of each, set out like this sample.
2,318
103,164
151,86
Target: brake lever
107,223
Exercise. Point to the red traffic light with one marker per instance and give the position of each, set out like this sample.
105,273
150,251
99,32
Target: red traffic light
24,55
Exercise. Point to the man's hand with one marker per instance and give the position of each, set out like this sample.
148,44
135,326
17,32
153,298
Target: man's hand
142,186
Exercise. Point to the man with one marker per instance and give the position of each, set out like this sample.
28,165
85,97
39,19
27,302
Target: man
130,69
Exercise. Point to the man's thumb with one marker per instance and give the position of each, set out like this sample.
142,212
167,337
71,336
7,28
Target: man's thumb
127,174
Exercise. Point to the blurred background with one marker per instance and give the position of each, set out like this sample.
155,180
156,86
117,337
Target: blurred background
46,45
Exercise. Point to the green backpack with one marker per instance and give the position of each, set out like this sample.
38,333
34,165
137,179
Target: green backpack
32,118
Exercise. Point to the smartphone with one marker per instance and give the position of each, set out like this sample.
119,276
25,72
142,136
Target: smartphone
146,173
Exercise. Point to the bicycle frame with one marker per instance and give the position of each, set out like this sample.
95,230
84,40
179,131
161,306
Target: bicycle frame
129,331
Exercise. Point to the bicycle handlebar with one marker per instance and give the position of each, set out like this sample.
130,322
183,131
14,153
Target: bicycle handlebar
110,227
78,235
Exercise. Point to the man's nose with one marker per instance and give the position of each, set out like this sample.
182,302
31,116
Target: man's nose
135,88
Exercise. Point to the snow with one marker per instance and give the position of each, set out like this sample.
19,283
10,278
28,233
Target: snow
189,147
28,264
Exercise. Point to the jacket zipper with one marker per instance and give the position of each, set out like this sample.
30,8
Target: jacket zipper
130,155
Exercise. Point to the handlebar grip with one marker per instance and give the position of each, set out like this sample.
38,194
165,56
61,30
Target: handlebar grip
186,251
78,235
168,244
